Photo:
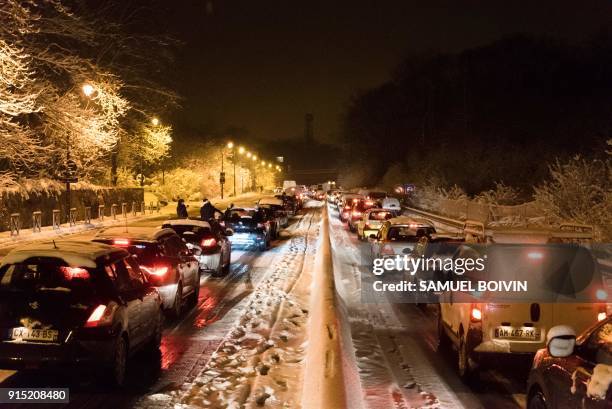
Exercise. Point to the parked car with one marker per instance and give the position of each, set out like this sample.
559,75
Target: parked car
573,372
371,222
165,260
391,204
208,243
277,207
481,331
79,304
248,232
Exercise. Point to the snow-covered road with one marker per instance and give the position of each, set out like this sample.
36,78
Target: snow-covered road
396,345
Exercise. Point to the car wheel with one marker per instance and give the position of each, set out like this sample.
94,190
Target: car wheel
226,268
537,400
263,246
196,290
464,368
118,369
177,307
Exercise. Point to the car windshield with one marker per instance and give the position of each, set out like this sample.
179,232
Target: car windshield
241,213
50,275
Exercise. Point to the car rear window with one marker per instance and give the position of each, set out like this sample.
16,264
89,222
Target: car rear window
183,228
405,233
145,252
567,270
50,275
381,215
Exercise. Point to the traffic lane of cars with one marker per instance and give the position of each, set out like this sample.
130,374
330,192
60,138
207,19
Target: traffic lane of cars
501,388
214,294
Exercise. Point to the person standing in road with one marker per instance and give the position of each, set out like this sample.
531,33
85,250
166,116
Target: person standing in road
207,211
228,212
181,209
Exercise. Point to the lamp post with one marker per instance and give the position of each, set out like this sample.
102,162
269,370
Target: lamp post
230,145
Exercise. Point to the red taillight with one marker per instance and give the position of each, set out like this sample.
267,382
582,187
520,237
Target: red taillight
347,207
369,203
75,273
212,242
356,214
158,271
475,313
121,242
101,315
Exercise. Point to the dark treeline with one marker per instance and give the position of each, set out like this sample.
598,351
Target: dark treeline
500,112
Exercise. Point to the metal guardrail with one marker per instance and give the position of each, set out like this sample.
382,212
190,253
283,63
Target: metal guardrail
36,221
15,224
72,217
56,219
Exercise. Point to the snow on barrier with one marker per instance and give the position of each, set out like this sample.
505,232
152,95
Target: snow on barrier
324,382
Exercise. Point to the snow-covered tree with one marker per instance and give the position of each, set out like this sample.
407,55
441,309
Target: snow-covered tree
579,190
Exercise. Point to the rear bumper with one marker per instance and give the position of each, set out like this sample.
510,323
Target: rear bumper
167,294
76,352
247,239
209,262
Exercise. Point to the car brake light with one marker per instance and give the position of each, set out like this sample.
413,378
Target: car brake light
475,314
158,271
347,207
369,203
101,315
121,242
75,273
211,242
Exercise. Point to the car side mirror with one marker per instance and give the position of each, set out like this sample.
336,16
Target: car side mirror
561,341
229,232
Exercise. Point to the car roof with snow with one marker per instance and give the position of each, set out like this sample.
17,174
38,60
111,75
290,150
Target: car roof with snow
134,233
186,222
74,253
406,220
390,202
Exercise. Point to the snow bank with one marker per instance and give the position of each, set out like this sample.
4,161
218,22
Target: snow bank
600,381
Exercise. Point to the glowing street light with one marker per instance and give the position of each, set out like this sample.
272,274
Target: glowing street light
269,165
254,157
88,90
230,145
249,154
155,121
241,150
263,163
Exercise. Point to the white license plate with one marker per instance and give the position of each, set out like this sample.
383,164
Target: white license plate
39,335
526,333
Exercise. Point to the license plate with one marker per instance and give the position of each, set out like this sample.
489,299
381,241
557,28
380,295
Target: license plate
526,333
39,335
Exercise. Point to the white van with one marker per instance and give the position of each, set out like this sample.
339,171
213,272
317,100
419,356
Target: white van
478,329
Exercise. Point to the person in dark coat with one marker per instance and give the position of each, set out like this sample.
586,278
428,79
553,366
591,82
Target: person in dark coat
181,209
228,212
207,211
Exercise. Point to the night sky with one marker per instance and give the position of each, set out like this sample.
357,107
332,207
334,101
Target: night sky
260,65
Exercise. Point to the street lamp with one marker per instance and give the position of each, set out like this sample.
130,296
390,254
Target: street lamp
88,90
241,150
230,145
254,157
155,121
248,154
